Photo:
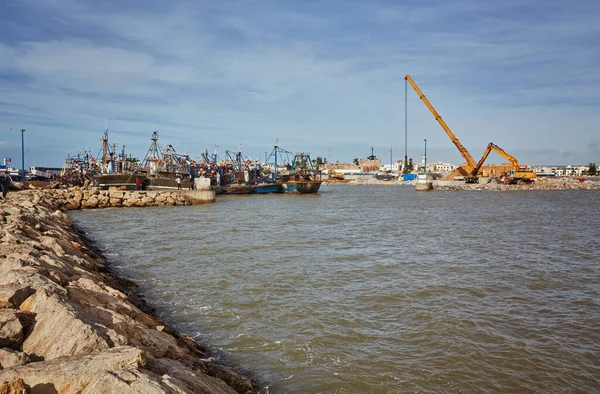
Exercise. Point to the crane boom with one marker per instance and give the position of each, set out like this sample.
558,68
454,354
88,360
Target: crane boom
470,163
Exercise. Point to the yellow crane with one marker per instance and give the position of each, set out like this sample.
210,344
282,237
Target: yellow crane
469,166
519,174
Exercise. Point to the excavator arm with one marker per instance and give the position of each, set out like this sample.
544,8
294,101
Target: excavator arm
517,175
493,147
470,163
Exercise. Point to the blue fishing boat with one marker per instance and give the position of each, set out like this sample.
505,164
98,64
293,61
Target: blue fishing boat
267,187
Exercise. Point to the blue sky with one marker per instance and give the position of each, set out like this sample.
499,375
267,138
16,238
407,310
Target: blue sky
321,76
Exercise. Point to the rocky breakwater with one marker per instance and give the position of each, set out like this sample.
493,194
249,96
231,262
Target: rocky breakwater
545,184
76,198
68,325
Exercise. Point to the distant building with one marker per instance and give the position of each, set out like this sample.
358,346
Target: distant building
440,167
367,165
342,167
395,167
561,170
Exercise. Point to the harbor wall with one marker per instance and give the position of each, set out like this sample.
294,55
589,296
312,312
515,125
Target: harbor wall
69,325
80,198
197,196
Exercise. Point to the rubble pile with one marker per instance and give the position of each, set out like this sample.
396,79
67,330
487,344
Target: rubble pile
68,325
546,184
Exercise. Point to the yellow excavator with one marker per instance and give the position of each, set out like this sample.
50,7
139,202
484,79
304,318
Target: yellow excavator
335,175
467,169
518,174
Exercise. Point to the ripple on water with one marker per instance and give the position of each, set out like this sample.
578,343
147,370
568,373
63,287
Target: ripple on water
376,289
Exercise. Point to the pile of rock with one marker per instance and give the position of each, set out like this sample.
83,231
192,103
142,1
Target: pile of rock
77,198
546,184
69,325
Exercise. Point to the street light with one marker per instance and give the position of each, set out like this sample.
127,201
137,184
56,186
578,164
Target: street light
425,158
23,155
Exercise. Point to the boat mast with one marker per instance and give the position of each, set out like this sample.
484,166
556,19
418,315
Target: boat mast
275,162
105,151
153,152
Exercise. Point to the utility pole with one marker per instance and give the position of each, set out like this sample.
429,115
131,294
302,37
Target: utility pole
391,168
425,159
23,155
405,124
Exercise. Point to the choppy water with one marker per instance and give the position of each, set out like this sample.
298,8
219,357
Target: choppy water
377,289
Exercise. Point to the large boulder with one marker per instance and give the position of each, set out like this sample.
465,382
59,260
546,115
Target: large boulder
63,330
10,358
11,329
116,194
15,386
192,380
117,370
13,294
73,374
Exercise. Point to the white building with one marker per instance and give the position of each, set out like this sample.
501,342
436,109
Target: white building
395,167
440,167
561,170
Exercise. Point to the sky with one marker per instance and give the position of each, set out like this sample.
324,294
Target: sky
325,77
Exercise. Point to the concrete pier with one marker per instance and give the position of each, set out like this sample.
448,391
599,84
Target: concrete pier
423,183
197,196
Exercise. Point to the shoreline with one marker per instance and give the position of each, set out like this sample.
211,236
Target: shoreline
545,184
71,324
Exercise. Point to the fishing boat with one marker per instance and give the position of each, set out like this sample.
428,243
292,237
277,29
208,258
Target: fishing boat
267,187
165,168
299,177
235,188
302,178
111,169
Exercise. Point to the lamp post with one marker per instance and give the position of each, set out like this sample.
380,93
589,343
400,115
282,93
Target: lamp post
425,158
391,169
23,155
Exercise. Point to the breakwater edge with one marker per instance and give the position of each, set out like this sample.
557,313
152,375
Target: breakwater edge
69,325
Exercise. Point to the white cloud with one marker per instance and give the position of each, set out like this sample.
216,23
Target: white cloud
215,73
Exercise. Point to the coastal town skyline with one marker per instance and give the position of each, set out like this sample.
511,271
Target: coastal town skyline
320,77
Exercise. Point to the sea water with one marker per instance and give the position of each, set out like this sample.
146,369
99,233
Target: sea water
376,289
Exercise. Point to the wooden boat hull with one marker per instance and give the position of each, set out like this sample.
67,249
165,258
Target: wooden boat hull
157,183
235,189
118,180
302,187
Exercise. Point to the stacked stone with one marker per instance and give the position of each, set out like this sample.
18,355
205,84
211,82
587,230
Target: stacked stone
68,325
76,198
550,184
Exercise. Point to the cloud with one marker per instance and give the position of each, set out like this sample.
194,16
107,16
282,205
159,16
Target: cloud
315,74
